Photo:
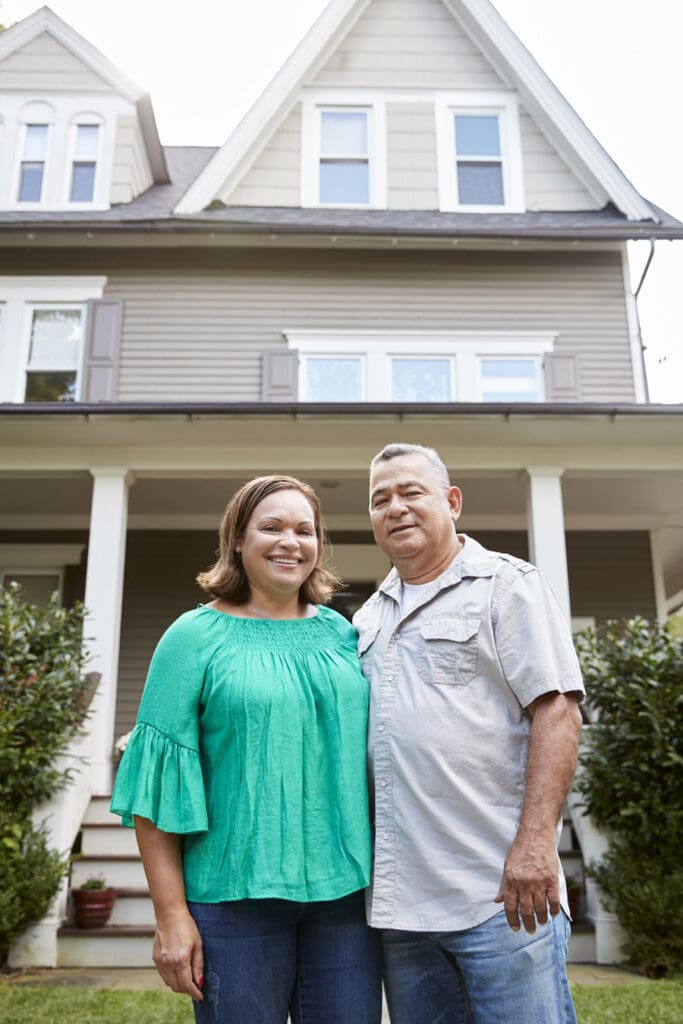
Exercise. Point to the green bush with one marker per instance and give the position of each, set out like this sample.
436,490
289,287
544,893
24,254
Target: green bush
44,699
632,783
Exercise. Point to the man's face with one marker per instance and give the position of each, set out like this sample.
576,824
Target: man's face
413,513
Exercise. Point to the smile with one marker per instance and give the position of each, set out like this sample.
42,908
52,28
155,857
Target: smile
284,561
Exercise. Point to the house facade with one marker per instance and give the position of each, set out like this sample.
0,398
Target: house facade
410,237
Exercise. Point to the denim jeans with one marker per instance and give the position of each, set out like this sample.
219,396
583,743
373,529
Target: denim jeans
266,958
483,975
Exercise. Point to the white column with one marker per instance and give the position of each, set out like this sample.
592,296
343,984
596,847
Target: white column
658,577
545,524
103,599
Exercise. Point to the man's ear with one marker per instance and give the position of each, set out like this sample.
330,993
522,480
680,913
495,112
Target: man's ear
454,496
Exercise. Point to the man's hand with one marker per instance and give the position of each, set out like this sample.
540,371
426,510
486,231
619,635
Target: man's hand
530,884
178,956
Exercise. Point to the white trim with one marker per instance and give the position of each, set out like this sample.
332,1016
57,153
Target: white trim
314,103
581,622
673,603
634,334
502,104
39,556
93,119
51,570
546,529
658,583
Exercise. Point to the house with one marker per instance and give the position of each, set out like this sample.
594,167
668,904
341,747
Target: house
411,236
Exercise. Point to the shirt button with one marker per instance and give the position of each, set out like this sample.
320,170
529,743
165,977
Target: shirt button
385,835
384,783
381,728
397,636
390,679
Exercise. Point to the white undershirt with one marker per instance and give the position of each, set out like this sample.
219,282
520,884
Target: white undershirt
410,595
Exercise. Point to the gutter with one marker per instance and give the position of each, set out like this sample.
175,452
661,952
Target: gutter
297,410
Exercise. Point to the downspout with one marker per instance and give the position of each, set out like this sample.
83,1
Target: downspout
640,334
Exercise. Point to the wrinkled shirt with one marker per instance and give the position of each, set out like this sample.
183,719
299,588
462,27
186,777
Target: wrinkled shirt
449,734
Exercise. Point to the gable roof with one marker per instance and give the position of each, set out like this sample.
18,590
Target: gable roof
479,18
45,20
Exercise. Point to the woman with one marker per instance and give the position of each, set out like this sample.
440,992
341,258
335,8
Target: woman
245,778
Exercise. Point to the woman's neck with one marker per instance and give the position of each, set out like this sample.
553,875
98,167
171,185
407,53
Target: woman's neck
260,605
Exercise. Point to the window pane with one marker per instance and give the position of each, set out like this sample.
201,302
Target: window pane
86,142
480,184
82,183
50,387
477,135
421,380
509,380
36,142
344,182
36,588
333,380
31,183
344,134
55,339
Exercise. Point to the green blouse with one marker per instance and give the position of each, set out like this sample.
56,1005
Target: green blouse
250,742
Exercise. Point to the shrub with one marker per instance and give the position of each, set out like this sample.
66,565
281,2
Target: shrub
44,700
632,783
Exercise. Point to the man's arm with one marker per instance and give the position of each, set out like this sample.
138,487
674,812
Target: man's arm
530,874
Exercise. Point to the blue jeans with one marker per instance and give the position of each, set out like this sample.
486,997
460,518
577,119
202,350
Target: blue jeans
483,975
266,958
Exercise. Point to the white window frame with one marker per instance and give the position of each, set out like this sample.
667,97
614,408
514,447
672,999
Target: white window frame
83,119
31,308
18,297
505,106
51,570
312,107
538,363
38,119
377,348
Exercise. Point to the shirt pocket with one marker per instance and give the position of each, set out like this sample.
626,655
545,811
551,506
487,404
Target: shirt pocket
450,650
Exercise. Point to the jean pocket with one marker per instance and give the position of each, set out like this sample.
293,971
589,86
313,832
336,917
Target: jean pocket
450,650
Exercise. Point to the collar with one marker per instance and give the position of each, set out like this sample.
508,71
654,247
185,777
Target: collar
471,560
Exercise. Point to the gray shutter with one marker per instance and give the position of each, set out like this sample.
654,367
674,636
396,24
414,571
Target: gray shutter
280,375
102,345
561,378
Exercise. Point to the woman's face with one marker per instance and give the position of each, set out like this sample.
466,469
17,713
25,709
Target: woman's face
279,547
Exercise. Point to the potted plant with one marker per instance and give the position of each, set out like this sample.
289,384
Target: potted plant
93,901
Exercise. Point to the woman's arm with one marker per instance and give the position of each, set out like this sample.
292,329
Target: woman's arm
177,950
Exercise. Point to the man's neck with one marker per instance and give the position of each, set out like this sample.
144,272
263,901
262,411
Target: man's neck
413,572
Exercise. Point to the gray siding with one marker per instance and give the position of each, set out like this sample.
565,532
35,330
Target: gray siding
548,182
408,44
131,173
274,179
411,157
44,65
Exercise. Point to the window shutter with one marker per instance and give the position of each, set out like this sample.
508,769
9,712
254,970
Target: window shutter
280,375
561,378
102,345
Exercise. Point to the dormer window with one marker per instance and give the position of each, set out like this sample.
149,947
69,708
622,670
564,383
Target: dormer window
34,158
344,157
479,152
84,163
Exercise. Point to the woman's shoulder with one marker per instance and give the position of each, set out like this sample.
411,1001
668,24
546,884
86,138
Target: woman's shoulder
190,627
338,623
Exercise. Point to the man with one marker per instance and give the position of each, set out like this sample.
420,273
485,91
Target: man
474,725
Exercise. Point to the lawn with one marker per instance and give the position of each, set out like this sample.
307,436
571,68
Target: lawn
642,1003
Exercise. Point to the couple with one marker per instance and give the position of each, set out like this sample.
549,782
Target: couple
245,776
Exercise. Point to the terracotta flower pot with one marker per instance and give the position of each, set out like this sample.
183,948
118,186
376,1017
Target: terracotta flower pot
92,907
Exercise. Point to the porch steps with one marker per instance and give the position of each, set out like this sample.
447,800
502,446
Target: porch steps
126,941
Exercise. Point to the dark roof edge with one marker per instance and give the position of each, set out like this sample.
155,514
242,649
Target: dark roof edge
297,409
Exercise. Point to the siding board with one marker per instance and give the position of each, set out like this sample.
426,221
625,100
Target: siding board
44,65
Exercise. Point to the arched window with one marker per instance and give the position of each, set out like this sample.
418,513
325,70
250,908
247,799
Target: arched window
86,142
36,120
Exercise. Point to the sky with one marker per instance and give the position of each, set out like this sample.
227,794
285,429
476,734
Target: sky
618,62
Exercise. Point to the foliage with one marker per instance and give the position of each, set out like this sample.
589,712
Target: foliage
44,696
44,699
93,883
29,878
632,782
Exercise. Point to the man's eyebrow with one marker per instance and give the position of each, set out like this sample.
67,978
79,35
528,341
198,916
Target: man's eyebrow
402,485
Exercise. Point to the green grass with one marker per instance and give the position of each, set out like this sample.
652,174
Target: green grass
658,1002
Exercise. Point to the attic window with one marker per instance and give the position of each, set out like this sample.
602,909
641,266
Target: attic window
32,169
84,164
344,157
478,160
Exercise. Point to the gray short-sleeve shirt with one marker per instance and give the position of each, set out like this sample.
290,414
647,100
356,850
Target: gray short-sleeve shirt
448,732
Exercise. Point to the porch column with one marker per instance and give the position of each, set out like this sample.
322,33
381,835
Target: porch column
658,577
103,598
545,525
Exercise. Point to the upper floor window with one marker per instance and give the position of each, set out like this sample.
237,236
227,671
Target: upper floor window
343,150
479,152
54,357
84,163
407,367
32,168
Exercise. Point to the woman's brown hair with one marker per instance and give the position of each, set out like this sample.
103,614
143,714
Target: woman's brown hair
227,578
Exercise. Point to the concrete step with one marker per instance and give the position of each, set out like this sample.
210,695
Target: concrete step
132,907
98,812
105,840
113,946
122,871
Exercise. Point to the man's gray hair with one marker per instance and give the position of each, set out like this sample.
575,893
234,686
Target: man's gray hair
394,451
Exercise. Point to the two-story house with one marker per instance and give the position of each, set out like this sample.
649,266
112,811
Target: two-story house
411,236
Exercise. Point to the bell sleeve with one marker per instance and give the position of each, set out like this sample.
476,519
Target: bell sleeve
160,775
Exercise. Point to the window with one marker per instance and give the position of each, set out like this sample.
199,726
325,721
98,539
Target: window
54,354
344,157
84,163
32,170
37,586
343,149
342,366
479,152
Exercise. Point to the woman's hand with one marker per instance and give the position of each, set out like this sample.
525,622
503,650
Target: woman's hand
178,954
